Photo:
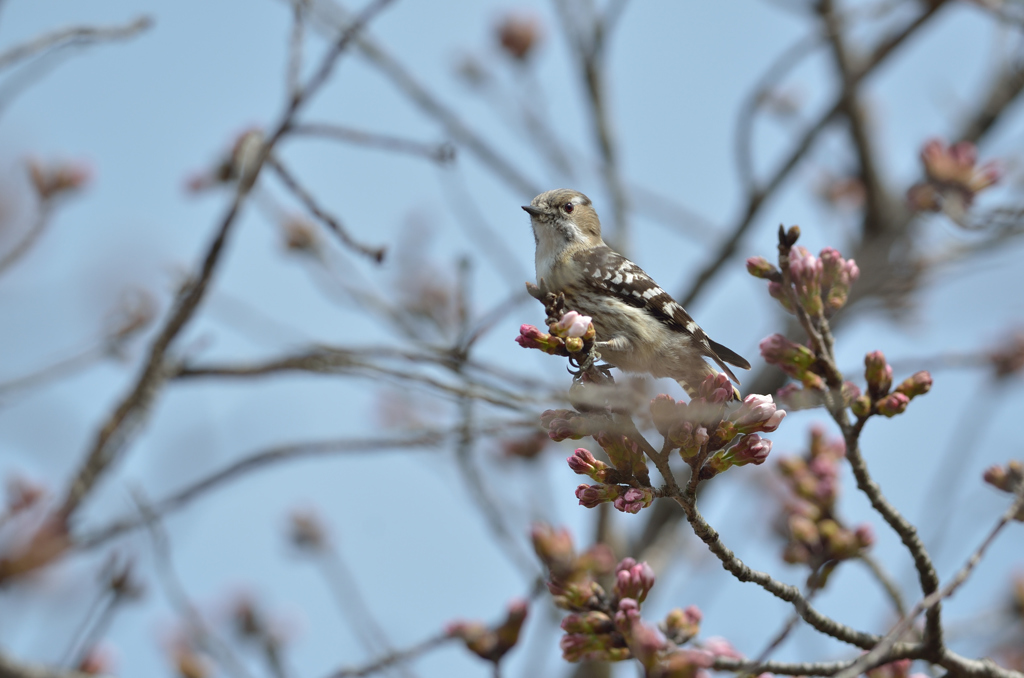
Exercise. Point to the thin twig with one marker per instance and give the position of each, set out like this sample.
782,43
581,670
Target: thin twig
9,668
42,220
393,658
443,153
133,409
175,592
337,18
759,197
947,660
72,36
883,578
274,455
295,42
329,220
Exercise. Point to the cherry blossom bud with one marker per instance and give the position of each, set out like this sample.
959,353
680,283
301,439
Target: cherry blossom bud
572,324
584,463
686,663
838,275
682,625
590,622
878,374
51,181
805,270
892,404
554,548
757,413
716,389
633,499
720,647
564,424
573,344
861,406
917,384
865,535
778,292
592,496
759,267
664,412
792,358
633,580
518,34
531,337
1007,478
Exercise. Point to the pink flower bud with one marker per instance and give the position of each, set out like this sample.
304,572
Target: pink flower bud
633,580
865,535
892,404
778,292
878,374
757,413
633,499
759,267
592,496
584,463
917,384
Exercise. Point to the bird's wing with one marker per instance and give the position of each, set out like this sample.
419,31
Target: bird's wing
613,274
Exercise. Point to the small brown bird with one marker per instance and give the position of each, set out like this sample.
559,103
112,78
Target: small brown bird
640,328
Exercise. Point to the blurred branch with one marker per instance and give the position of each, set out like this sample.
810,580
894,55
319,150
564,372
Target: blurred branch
132,411
335,17
9,668
927,576
588,37
422,439
876,208
353,606
295,42
389,660
954,663
883,578
76,35
25,244
442,153
760,195
339,362
178,598
752,103
307,199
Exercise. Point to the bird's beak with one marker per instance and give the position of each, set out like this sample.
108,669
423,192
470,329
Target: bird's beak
532,211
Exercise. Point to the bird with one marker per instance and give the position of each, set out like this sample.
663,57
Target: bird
639,327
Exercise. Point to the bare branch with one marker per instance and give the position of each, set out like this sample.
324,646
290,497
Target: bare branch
130,414
759,197
442,153
375,253
9,668
76,35
394,658
954,663
274,455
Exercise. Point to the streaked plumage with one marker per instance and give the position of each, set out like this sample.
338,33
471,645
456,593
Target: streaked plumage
640,328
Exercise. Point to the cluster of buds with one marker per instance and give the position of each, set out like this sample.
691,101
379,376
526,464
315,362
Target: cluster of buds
796,360
491,642
1009,478
953,178
603,626
815,534
626,482
881,398
57,179
819,284
713,433
571,334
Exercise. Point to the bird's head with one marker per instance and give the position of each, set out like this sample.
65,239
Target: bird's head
563,218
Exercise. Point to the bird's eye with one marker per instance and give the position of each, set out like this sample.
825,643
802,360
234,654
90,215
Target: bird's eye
568,207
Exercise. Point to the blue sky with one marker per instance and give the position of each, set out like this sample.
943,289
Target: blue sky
148,112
